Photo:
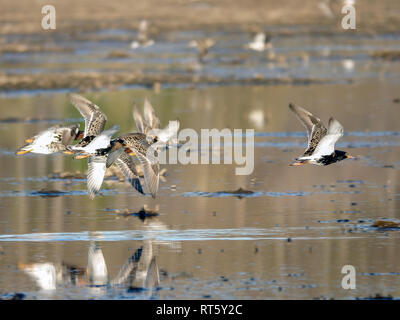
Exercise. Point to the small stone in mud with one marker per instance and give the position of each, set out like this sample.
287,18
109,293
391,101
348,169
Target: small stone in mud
255,249
238,193
142,213
67,212
396,100
342,220
353,203
289,240
382,224
222,250
199,251
1,250
214,213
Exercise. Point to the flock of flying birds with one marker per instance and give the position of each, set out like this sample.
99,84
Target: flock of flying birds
129,152
260,42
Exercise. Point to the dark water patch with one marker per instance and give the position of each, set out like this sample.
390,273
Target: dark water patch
48,193
334,221
13,296
40,193
351,181
255,194
345,144
380,273
378,296
44,193
243,234
32,120
221,194
300,134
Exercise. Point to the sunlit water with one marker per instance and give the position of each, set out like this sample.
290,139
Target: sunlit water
288,239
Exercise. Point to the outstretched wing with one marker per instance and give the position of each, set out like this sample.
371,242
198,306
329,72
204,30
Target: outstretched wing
259,37
95,174
138,120
315,128
95,119
327,144
150,116
142,34
128,168
151,174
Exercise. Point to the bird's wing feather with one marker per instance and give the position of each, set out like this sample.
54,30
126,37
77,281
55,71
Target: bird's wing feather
150,116
95,119
151,170
327,144
95,174
128,169
315,128
138,120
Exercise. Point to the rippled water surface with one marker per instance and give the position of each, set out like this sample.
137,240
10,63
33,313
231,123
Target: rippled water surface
286,239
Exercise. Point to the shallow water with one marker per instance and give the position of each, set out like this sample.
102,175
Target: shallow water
306,56
288,239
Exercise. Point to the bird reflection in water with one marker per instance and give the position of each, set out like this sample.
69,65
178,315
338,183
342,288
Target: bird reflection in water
139,275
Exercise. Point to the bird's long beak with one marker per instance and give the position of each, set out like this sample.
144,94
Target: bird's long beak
68,152
350,157
23,151
298,163
28,140
131,154
81,156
